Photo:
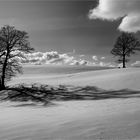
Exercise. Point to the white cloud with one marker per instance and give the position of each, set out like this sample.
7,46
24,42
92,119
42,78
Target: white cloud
102,58
80,62
111,10
104,64
52,57
136,64
95,58
82,55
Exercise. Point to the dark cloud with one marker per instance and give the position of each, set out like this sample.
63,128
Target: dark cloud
115,9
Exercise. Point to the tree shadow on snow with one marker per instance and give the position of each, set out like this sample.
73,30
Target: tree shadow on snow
44,94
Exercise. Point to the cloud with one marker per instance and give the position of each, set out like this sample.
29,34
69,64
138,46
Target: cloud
82,55
80,62
136,64
52,57
128,10
98,62
102,58
95,58
104,64
55,58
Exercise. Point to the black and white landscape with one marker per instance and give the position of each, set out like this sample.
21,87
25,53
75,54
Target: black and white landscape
69,69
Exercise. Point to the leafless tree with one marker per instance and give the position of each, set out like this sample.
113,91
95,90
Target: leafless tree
126,45
13,43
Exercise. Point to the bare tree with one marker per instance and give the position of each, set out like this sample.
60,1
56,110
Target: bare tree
12,43
126,45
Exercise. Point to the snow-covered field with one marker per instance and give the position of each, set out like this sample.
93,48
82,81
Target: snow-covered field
106,79
107,119
112,119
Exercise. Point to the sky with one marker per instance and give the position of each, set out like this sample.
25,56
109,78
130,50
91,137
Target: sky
73,32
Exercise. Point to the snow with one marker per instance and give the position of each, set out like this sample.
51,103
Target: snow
107,119
72,120
106,79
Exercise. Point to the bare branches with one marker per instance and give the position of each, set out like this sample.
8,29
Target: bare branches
126,45
12,43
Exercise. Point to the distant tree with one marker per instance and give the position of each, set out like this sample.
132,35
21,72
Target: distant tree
12,43
126,45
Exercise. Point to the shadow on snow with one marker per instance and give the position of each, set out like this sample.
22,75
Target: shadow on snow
44,93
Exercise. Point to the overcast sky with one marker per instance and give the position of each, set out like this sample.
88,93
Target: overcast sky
82,27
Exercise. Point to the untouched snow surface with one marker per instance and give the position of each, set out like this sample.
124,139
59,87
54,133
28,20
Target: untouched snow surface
107,119
106,79
112,119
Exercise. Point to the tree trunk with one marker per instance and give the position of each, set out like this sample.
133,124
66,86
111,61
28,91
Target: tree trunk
124,47
3,78
124,66
0,84
4,71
